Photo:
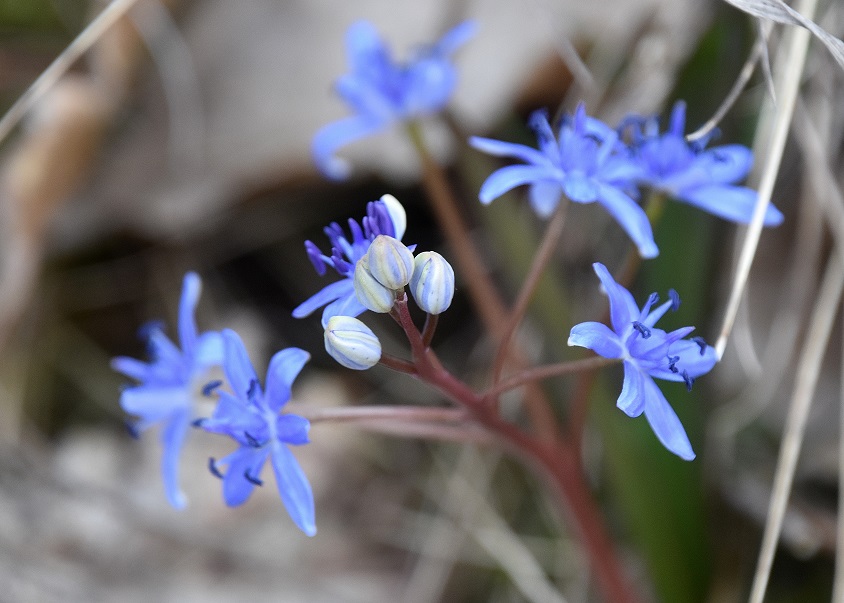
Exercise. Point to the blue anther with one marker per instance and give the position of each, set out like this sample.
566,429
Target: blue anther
198,422
252,479
208,389
212,467
644,331
689,381
701,344
252,441
675,300
672,363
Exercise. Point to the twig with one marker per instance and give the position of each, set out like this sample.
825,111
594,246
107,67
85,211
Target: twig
826,309
62,63
789,85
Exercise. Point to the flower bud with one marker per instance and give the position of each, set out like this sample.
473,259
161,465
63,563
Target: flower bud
352,343
432,285
371,293
390,262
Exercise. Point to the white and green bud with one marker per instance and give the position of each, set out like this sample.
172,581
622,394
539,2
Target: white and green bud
397,214
370,292
390,262
352,343
432,285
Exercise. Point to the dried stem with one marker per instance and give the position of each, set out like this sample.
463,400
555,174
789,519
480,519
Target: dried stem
543,255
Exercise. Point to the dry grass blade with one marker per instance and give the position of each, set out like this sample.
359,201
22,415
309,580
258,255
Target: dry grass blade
787,93
779,11
63,62
838,583
826,309
759,52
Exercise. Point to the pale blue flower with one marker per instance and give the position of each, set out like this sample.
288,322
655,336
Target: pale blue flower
695,175
647,352
381,91
251,416
387,217
169,383
585,161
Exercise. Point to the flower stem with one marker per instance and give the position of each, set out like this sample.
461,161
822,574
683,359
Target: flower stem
429,329
368,413
545,372
543,255
397,364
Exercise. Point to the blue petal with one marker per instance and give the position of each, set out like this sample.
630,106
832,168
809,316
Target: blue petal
172,439
545,197
508,178
734,203
632,219
498,148
284,367
456,37
677,123
427,87
335,135
294,489
727,164
365,49
344,306
652,318
293,429
191,289
209,351
665,423
632,397
154,404
328,294
623,308
579,187
236,488
597,337
232,417
131,367
238,368
367,98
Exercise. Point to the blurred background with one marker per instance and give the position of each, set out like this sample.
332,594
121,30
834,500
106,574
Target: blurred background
181,142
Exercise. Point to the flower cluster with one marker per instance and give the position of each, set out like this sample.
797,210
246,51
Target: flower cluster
587,161
171,384
647,352
376,267
381,91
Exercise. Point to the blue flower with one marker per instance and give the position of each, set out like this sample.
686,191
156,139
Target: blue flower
585,161
647,352
387,217
251,416
701,177
169,383
381,91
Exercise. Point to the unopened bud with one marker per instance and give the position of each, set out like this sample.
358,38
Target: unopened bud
352,343
370,292
390,262
432,285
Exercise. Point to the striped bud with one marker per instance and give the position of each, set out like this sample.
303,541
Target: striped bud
370,292
352,343
390,262
432,285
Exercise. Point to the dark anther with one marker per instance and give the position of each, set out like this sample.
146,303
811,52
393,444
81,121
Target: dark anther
644,331
252,441
212,467
252,479
672,363
675,300
199,422
689,381
208,389
253,387
701,344
133,430
148,328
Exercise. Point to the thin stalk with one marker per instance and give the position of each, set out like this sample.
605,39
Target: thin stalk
838,582
546,372
556,460
543,255
397,364
429,329
483,294
370,413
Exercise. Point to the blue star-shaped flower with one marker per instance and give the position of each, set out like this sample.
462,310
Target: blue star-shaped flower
169,383
251,416
585,161
381,91
701,177
387,217
647,352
